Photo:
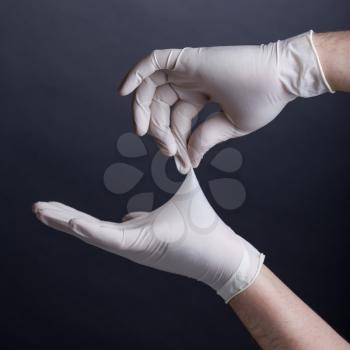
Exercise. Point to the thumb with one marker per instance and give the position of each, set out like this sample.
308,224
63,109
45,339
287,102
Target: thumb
134,215
217,128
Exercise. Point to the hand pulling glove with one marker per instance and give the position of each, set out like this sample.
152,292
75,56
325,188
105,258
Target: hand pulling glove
184,236
251,85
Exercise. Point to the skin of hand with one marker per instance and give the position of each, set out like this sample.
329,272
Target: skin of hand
277,319
250,84
184,236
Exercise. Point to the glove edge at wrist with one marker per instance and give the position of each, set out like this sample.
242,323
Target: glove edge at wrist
325,81
300,67
244,277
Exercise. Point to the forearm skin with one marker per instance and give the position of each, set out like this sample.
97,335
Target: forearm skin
277,319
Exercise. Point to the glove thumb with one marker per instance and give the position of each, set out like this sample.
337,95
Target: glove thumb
217,128
134,215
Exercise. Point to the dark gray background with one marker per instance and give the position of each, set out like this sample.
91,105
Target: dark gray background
60,118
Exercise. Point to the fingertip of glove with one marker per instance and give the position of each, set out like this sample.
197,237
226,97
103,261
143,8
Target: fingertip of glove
181,166
121,90
168,150
126,87
141,131
37,206
194,156
171,151
195,163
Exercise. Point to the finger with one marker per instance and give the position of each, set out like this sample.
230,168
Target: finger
55,219
181,124
65,208
58,215
157,60
214,130
143,99
106,235
163,99
74,212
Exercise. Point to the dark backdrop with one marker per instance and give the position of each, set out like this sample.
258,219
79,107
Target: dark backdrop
60,118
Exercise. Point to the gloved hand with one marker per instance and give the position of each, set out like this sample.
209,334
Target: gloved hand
251,85
184,236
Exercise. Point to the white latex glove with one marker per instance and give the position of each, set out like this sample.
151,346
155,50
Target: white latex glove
251,85
184,236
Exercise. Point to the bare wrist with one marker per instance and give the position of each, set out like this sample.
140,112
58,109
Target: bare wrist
334,51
